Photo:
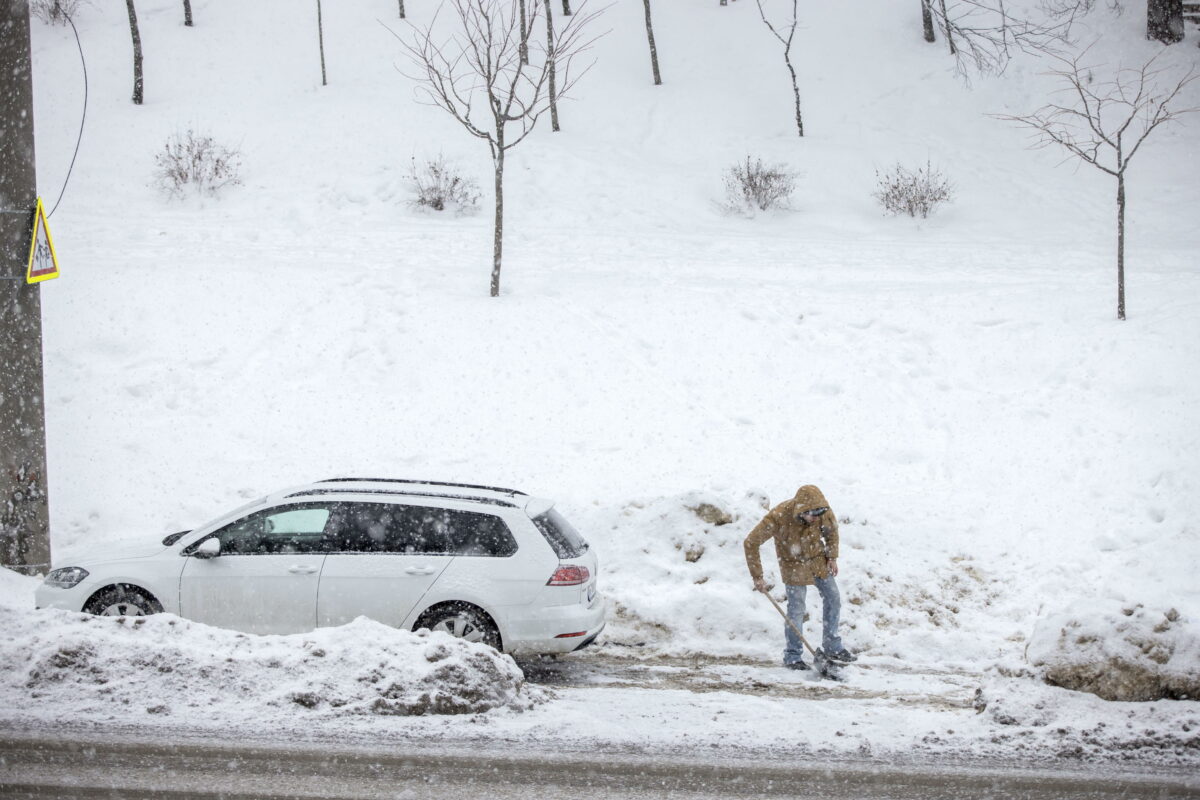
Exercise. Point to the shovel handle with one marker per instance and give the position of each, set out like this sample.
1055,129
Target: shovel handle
788,620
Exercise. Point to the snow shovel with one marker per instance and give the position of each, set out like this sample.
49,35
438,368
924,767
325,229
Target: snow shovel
824,667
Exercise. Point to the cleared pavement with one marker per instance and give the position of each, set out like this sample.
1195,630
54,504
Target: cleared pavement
42,767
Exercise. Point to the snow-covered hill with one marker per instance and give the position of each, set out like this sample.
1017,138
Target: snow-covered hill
1000,446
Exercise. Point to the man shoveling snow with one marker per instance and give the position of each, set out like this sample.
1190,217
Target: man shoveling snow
806,542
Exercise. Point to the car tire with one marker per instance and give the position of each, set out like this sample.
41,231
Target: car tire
122,601
462,621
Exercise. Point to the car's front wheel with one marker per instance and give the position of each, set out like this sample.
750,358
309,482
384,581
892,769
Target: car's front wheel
122,601
461,621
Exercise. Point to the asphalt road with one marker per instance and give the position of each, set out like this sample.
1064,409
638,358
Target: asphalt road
43,767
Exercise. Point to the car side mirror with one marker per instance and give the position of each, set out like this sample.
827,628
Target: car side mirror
209,548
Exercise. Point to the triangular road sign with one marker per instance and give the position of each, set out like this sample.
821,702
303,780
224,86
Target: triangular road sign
43,263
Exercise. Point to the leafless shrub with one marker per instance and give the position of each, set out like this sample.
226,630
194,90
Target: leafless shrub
196,161
914,192
53,12
753,185
438,185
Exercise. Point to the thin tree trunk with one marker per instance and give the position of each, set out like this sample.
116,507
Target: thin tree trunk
653,49
927,21
524,48
498,226
187,13
402,9
321,43
946,21
566,8
1121,245
1164,20
795,92
550,55
138,84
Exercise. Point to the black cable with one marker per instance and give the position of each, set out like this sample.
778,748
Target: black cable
82,120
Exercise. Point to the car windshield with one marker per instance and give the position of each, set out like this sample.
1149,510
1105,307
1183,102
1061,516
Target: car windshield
562,536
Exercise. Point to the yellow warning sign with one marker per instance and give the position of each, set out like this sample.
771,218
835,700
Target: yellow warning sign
43,263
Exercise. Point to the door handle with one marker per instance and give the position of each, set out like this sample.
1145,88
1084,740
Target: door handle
420,570
298,569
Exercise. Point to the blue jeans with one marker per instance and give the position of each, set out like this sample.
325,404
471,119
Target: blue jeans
831,611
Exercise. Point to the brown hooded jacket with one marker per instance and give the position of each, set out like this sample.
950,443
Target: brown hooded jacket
804,549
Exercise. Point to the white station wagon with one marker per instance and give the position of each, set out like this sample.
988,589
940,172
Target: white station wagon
481,563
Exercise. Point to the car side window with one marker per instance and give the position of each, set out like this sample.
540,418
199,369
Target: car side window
419,530
285,529
385,528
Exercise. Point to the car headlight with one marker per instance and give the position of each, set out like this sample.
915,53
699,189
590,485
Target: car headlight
66,577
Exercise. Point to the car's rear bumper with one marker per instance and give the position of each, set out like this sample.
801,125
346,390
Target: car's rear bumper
589,640
558,629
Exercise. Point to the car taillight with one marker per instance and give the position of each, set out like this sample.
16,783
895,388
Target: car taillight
569,575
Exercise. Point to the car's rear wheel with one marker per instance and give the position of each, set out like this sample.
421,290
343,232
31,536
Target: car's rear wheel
461,621
122,601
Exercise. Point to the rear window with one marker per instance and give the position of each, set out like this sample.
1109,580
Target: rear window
562,536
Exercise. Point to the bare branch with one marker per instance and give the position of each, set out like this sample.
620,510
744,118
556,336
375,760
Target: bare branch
984,34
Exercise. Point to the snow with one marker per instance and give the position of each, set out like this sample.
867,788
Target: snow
1007,459
1129,653
106,669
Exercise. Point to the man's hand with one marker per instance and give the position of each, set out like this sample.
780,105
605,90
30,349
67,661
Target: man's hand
833,567
760,585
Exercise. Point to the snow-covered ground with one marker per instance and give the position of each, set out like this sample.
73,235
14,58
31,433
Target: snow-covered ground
1007,458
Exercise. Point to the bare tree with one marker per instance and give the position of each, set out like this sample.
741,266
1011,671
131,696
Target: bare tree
653,48
402,9
927,21
1105,122
482,61
785,32
566,8
187,13
138,82
552,88
321,43
983,35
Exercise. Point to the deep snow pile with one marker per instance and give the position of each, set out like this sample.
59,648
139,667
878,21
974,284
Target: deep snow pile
675,571
1120,653
126,668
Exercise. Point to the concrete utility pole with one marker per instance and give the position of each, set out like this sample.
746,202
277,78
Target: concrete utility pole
24,509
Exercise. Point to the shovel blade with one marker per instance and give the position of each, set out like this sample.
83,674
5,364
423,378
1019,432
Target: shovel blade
825,667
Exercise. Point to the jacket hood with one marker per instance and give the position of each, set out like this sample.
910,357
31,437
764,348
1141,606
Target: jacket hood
808,497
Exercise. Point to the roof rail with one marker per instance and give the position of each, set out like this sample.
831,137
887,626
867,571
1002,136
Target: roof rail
424,483
399,493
